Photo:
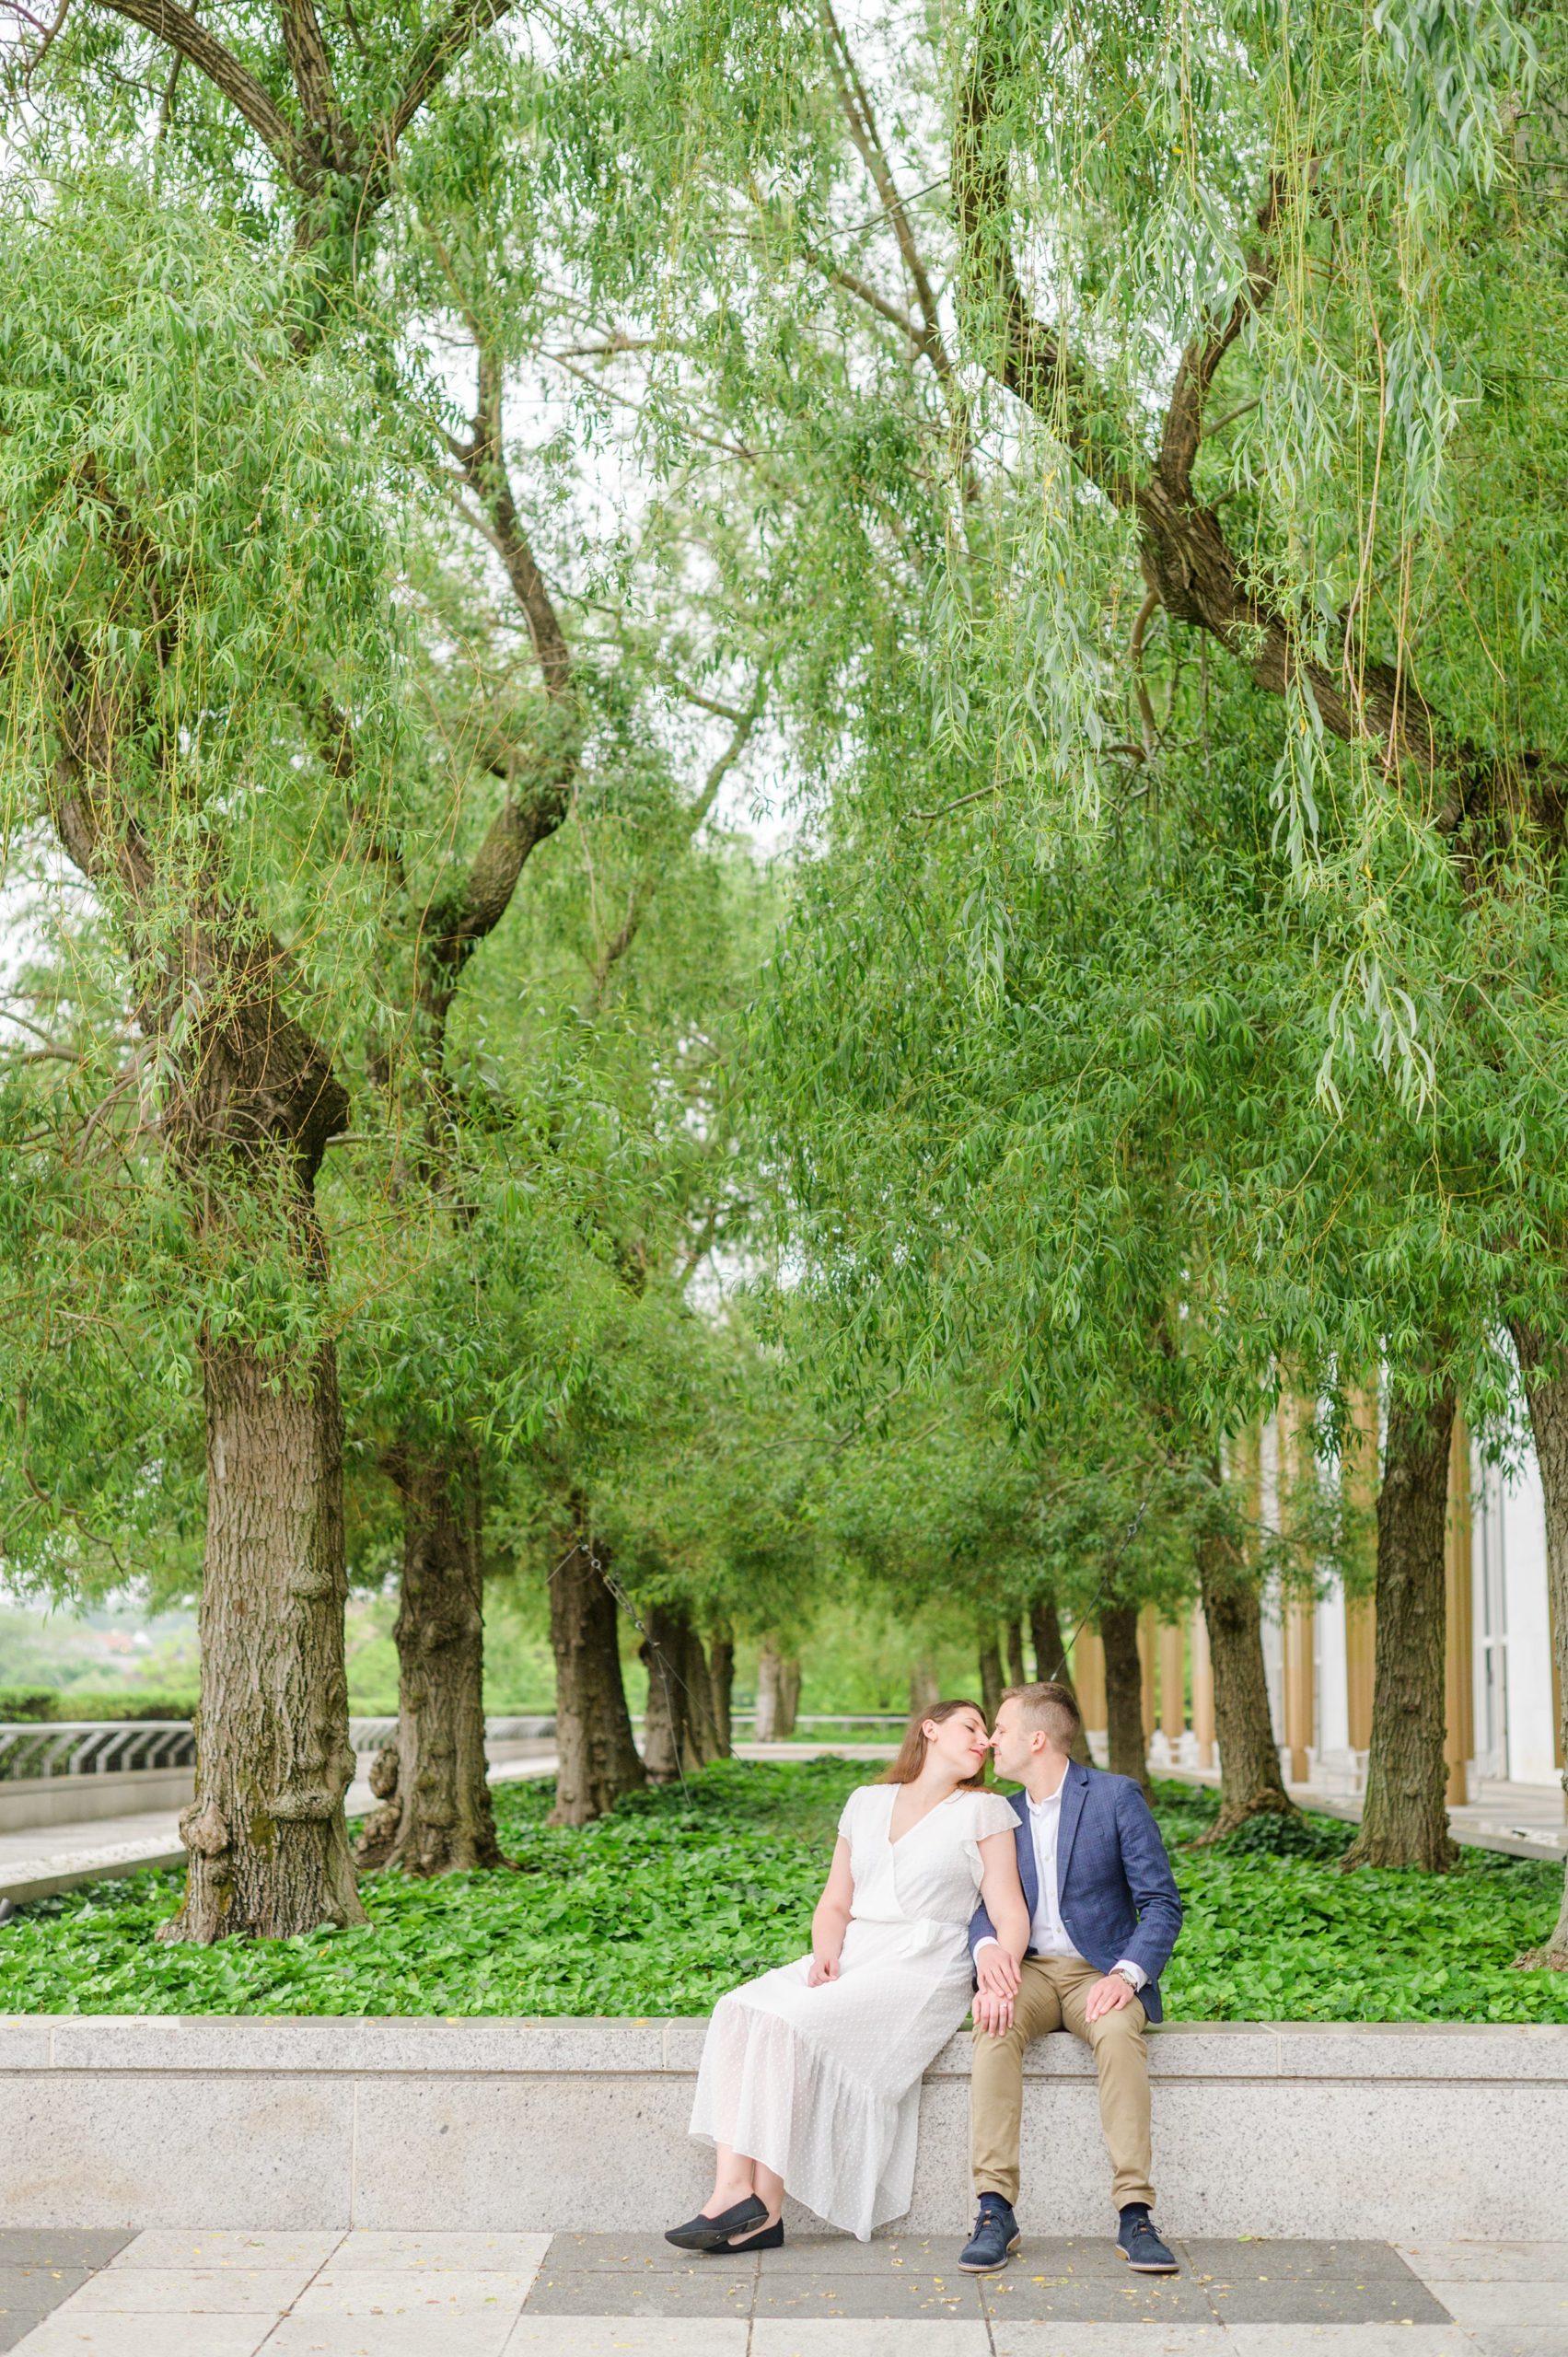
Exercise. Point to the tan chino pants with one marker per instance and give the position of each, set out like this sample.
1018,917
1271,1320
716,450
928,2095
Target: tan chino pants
1053,1995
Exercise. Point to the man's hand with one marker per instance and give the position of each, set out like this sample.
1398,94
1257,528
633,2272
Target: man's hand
822,1967
1108,1996
992,2011
996,1971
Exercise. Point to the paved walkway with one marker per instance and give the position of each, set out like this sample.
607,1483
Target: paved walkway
70,2293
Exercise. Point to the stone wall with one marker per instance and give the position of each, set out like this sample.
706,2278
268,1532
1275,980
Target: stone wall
1397,2131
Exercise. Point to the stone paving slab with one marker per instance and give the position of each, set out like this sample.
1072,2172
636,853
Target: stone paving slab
793,2337
1349,2340
1145,2338
36,2290
457,2336
908,2296
435,2254
636,2255
578,2292
1083,2299
189,2291
1331,2300
629,2336
1491,2304
164,2247
371,2291
1276,2259
60,2245
121,2336
1491,2262
1518,2341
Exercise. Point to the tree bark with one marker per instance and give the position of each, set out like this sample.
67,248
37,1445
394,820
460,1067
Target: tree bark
769,1663
698,1734
789,1694
1128,1754
990,1671
1051,1661
266,1832
593,1725
664,1722
1546,1381
923,1687
445,1822
1251,1784
1018,1670
721,1674
1405,1821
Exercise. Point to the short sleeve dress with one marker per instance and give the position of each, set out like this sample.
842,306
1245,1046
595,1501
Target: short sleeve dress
822,2084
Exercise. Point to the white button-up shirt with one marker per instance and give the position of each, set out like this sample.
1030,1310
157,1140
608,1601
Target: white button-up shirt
1048,1934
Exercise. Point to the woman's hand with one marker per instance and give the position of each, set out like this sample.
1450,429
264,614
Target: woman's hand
822,1967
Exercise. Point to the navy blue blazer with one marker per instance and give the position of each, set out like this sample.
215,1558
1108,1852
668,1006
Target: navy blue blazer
1114,1885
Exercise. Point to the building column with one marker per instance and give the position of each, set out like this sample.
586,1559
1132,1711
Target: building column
1202,1689
1148,1641
1088,1678
1359,1471
1297,1466
1458,1665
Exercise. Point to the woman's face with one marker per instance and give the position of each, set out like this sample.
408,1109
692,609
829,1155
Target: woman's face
961,1742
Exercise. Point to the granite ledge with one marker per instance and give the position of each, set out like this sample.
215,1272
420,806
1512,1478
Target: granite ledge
567,2045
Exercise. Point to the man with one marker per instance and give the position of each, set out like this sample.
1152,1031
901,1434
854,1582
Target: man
1104,1913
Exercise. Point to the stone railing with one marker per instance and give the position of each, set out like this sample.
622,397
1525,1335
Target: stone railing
1400,2131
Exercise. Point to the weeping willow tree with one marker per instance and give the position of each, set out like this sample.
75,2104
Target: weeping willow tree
405,188
1157,357
196,563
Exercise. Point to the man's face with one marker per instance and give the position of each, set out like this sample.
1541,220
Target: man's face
1009,1745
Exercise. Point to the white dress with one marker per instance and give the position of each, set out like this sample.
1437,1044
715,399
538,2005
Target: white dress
822,2086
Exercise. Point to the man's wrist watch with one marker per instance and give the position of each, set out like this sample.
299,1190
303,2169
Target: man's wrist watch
1122,1973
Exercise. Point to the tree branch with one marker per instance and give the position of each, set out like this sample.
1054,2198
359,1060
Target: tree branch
434,56
642,891
180,31
312,71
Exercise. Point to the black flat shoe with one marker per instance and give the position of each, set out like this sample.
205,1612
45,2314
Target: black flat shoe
713,2234
765,2239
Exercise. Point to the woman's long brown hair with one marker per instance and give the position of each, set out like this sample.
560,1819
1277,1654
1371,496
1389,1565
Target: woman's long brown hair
912,1751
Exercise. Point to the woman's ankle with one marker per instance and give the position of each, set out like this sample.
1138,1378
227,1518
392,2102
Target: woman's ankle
726,2196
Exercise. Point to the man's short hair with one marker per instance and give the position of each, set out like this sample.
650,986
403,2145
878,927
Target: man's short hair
1052,1707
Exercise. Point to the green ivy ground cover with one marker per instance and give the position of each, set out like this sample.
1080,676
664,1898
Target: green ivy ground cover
682,1894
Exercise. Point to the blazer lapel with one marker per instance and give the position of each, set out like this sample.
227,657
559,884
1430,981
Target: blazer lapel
1029,1872
1074,1786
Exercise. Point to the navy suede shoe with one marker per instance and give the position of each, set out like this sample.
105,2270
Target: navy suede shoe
994,2239
1140,2246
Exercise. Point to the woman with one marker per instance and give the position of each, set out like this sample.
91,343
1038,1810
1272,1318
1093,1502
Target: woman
810,2077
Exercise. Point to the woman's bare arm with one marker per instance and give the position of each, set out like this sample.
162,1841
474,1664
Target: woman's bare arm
1002,1894
830,1920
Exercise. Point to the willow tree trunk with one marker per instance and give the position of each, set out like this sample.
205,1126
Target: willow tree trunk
1251,1782
990,1680
769,1663
266,1833
1546,1380
593,1726
700,1733
663,1720
789,1694
440,1820
721,1671
1051,1662
1017,1669
1405,1821
1127,1755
